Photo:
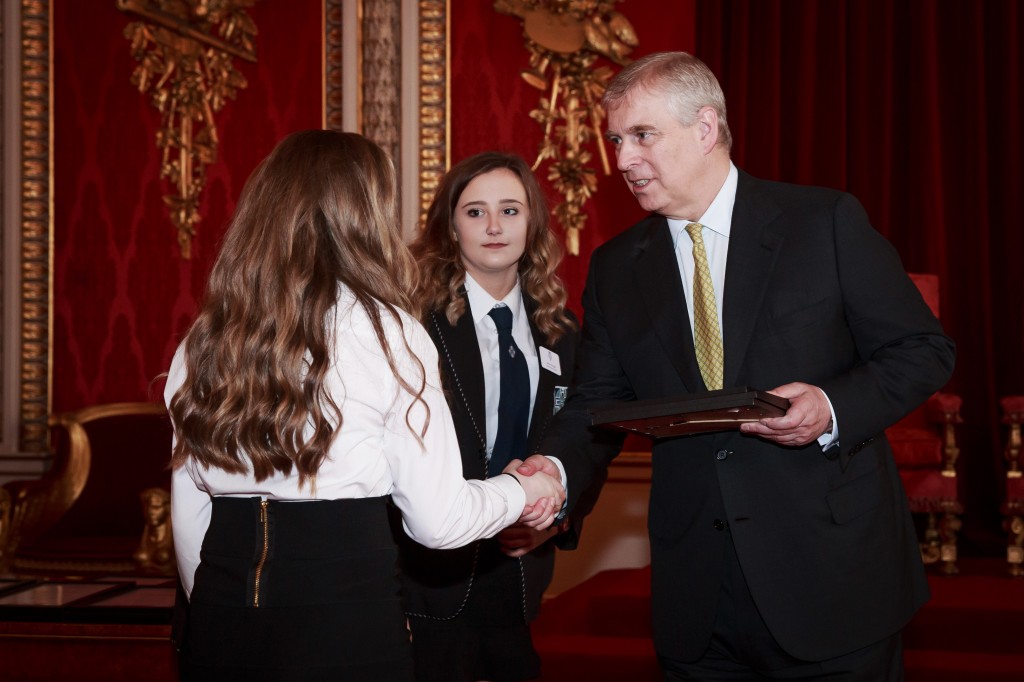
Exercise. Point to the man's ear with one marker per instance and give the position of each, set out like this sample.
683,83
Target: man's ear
707,119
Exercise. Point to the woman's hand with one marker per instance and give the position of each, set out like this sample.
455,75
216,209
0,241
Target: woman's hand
544,497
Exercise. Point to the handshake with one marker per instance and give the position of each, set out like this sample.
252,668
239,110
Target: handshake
542,482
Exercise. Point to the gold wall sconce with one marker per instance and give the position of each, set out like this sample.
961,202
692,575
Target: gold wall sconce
565,38
184,50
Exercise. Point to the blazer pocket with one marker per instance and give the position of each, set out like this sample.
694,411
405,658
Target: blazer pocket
857,497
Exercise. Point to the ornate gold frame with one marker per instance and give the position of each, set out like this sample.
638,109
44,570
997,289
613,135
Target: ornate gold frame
36,258
434,110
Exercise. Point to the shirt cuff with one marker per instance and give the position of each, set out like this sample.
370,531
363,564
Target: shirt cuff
829,438
562,513
515,497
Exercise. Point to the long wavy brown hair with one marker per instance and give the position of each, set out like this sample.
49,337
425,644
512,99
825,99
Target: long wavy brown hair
321,209
442,273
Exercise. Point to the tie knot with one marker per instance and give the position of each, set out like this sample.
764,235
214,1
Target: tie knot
502,317
693,229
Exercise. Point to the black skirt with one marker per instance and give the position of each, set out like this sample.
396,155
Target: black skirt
297,591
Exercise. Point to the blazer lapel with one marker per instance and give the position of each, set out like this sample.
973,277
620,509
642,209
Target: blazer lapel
544,400
753,251
661,293
460,356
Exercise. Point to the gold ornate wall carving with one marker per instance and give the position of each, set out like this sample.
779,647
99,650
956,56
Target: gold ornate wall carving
36,225
184,50
565,38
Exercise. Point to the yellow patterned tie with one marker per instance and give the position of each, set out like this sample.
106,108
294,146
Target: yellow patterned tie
707,336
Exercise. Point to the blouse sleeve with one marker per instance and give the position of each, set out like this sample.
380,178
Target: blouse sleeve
191,507
440,509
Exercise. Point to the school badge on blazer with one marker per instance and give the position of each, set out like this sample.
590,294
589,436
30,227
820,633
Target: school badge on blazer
560,394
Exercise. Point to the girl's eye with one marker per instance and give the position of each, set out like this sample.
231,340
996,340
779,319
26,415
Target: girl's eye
474,212
510,211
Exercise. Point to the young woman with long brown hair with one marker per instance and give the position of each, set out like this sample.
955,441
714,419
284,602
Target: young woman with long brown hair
306,399
487,254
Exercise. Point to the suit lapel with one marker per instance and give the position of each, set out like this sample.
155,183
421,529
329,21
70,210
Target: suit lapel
753,251
661,292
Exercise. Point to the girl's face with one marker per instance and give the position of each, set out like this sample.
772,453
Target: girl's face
491,218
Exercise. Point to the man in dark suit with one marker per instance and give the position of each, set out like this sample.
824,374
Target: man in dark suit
784,549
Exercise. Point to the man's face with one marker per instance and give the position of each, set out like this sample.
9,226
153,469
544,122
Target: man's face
660,158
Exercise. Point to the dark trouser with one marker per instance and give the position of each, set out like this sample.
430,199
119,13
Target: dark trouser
742,648
489,639
328,595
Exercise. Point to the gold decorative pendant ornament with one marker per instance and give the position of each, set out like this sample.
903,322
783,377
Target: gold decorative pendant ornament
184,50
565,38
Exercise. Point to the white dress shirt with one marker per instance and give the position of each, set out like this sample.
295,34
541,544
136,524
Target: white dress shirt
375,453
480,304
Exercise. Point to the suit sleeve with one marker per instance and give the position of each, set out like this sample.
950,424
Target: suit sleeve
904,354
569,538
598,378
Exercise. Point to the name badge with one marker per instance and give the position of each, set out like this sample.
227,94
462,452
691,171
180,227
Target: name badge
550,361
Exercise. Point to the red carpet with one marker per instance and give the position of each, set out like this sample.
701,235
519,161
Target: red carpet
972,630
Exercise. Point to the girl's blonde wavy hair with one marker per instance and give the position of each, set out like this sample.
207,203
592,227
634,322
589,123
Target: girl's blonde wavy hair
321,209
442,272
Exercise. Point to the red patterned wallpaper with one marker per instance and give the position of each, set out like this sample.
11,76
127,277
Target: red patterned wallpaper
122,294
490,104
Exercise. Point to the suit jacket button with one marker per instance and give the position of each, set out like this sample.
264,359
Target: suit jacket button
719,524
722,454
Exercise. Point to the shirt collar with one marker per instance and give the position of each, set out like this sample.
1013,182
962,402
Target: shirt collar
718,217
481,302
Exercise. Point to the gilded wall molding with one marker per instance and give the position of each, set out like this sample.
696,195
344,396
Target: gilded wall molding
333,65
434,140
381,59
36,225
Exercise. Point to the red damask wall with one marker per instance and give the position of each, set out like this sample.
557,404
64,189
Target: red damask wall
122,295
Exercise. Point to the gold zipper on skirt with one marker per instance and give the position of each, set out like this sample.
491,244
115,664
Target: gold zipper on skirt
263,555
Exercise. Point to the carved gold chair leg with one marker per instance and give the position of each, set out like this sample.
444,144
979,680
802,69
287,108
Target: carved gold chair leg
1014,525
948,528
1013,501
930,544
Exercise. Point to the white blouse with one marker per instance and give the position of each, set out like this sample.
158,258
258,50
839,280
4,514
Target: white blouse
374,454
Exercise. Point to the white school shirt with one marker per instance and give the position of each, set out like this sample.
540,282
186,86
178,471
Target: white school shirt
480,304
374,454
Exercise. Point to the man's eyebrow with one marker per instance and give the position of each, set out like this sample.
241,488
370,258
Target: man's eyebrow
638,128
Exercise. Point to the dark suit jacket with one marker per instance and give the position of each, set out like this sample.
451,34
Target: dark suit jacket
812,294
437,582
